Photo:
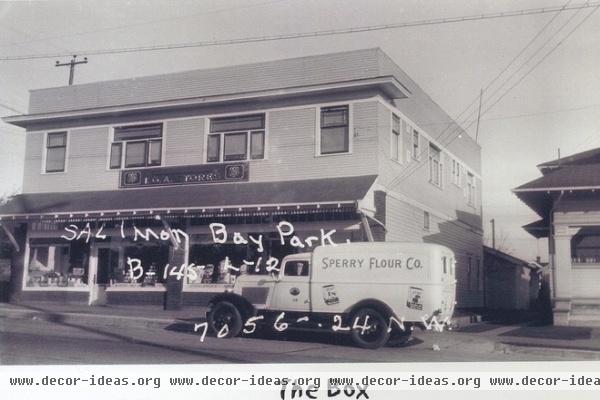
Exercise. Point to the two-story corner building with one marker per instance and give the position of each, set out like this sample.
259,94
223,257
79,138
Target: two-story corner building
342,146
567,199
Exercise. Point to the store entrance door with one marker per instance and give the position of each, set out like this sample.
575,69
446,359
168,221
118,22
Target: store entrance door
99,273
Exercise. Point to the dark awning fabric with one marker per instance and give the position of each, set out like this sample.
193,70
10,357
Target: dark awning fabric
192,197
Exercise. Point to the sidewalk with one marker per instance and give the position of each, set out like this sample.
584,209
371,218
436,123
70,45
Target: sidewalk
523,337
149,316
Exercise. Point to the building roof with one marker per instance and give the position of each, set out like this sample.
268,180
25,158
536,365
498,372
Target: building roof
367,68
566,177
192,198
538,229
572,175
585,157
488,251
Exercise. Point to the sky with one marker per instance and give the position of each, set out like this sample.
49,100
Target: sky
554,102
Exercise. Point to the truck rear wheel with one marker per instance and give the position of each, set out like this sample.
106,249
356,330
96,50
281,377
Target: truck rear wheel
369,328
224,314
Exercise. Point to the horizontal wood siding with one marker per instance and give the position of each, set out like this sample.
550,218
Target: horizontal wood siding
184,141
410,177
86,164
585,282
404,223
291,147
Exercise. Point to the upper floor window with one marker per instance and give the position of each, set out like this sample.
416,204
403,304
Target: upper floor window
396,138
470,189
415,145
435,165
56,151
236,138
335,130
136,146
456,172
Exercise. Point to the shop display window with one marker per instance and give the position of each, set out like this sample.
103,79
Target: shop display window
57,264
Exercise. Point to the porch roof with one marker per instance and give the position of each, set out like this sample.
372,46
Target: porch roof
315,193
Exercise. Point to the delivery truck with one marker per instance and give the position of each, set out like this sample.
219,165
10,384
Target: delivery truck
374,291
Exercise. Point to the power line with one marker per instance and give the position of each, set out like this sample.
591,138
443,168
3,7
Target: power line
457,126
331,32
149,22
420,165
3,105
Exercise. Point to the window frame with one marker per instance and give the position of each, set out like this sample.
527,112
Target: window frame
44,169
221,138
471,186
439,168
456,172
426,221
123,144
318,130
396,139
416,147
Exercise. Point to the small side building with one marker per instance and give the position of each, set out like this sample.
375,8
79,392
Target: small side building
567,198
510,283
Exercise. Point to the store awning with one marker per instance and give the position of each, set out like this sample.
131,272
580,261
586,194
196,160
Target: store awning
189,199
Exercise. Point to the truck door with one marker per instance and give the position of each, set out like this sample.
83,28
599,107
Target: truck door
291,291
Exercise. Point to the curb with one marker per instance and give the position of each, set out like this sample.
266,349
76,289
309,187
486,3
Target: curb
92,319
560,352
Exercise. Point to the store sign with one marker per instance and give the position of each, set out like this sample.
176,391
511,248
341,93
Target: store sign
184,175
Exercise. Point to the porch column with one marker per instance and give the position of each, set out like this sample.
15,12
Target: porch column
18,263
562,275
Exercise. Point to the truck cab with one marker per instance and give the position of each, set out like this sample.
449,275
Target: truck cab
374,291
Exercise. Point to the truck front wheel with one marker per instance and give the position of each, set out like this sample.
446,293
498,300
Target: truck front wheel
224,320
369,329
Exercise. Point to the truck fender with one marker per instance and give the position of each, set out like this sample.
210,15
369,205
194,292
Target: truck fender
244,306
375,304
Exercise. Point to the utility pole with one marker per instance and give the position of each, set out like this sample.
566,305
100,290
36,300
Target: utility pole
478,116
493,222
71,64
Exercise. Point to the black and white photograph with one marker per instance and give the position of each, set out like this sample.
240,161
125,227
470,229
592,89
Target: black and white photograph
299,199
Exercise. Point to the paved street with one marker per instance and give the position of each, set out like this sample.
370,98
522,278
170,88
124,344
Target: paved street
36,341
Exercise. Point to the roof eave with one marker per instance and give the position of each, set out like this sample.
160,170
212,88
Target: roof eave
389,85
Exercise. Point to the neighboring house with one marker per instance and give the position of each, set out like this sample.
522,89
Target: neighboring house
343,141
566,198
510,283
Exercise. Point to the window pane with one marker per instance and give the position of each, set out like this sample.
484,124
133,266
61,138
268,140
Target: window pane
57,139
257,145
235,146
135,154
55,159
237,123
334,140
334,116
116,150
395,145
138,132
395,124
155,152
214,148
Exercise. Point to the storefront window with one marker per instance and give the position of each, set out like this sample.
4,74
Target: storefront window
152,257
57,264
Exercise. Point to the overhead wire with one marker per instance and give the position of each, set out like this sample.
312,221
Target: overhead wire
445,144
322,33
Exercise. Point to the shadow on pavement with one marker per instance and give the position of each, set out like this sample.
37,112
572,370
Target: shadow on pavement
264,333
59,319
